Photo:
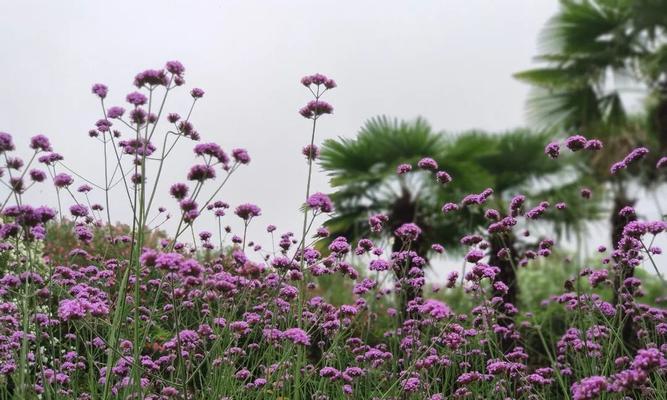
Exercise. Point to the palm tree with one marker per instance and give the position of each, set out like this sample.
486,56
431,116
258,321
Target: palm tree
363,173
594,51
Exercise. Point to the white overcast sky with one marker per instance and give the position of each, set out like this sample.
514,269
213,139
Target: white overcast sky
449,61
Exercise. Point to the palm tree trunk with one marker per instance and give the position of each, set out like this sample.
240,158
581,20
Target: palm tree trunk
507,275
507,272
659,117
618,222
623,272
408,292
404,211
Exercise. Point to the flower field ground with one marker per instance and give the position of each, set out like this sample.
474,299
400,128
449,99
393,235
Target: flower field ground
92,309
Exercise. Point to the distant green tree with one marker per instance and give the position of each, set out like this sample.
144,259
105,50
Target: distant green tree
594,52
363,174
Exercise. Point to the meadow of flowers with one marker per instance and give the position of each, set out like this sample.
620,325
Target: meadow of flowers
211,315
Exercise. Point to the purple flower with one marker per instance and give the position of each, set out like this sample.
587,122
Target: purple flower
136,98
435,309
589,388
330,372
662,163
151,77
594,145
449,207
315,108
311,152
173,117
318,79
197,93
635,155
115,112
438,248
103,125
474,255
71,309
201,172
408,232
138,116
213,150
575,143
379,265
40,142
598,276
179,190
320,202
62,180
297,336
175,67
6,143
100,90
443,177
427,163
617,167
552,150
410,384
79,210
137,146
241,156
377,222
37,175
247,211
403,169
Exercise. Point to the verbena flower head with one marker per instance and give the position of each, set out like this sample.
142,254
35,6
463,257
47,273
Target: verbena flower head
100,90
408,232
316,108
40,143
79,210
576,142
635,155
197,93
37,175
320,202
179,190
297,336
136,98
589,388
247,211
403,169
662,163
175,67
151,78
62,180
317,80
443,177
428,164
552,150
594,145
6,143
201,172
311,152
115,112
241,156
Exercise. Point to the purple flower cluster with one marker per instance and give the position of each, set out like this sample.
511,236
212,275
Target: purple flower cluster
320,202
632,157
